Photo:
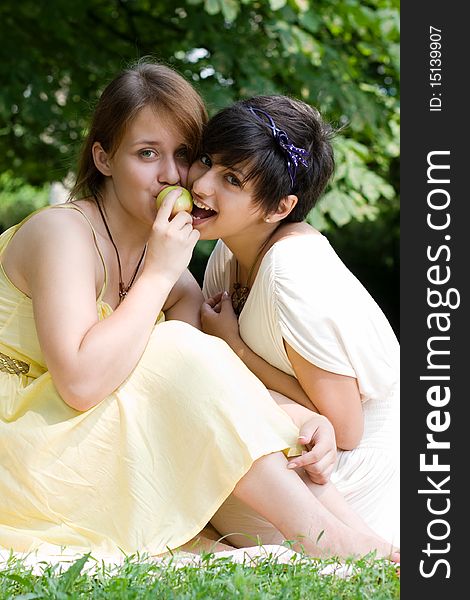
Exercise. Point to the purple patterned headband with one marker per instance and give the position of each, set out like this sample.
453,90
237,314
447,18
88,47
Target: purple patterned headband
294,155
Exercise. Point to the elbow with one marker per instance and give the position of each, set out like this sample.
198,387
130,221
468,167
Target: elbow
349,439
79,404
347,444
81,397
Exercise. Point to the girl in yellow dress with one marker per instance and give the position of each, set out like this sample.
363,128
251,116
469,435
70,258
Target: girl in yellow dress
122,426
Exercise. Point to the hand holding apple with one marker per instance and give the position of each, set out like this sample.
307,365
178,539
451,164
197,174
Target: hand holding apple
183,202
172,240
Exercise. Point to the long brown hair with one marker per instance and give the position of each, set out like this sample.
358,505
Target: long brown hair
143,84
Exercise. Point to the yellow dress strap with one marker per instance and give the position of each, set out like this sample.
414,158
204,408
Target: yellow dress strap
6,236
70,205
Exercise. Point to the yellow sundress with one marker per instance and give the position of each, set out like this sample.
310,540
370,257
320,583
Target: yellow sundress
143,470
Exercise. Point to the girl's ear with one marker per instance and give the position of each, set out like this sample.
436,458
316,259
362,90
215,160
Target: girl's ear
100,158
285,207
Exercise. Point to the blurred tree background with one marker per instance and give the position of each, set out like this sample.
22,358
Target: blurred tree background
339,55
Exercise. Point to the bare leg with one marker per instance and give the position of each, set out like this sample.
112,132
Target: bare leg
280,495
327,493
331,499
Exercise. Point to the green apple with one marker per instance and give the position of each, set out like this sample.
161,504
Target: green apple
183,202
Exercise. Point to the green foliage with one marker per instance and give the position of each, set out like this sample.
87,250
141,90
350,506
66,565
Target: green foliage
18,199
356,190
371,250
199,259
217,579
340,55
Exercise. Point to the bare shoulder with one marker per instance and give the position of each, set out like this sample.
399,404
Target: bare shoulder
50,225
50,232
289,230
53,217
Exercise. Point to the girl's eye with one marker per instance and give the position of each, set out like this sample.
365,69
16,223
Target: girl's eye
232,180
148,153
206,161
182,154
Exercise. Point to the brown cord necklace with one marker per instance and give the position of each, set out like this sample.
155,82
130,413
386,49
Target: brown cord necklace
241,292
123,289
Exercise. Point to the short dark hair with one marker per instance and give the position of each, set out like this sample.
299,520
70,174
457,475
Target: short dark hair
235,136
145,83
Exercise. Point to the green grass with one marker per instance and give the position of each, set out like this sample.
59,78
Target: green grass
217,579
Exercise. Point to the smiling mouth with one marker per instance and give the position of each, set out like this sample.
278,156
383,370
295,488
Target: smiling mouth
201,212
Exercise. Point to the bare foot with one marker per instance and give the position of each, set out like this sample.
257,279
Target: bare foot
350,544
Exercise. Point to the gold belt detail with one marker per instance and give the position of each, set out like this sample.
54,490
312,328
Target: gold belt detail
12,365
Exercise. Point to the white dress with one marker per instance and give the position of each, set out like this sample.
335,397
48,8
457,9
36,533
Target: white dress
304,294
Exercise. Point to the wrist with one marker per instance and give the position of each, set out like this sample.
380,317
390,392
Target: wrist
155,286
298,413
163,271
237,345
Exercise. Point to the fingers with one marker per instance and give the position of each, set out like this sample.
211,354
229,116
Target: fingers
181,224
164,212
321,471
226,303
315,460
320,445
206,308
318,471
317,434
213,300
183,219
320,478
308,431
319,431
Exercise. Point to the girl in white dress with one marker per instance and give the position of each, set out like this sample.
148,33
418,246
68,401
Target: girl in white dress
280,296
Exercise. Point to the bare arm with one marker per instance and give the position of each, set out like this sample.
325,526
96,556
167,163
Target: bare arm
184,301
317,434
87,358
218,319
316,431
273,378
336,396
